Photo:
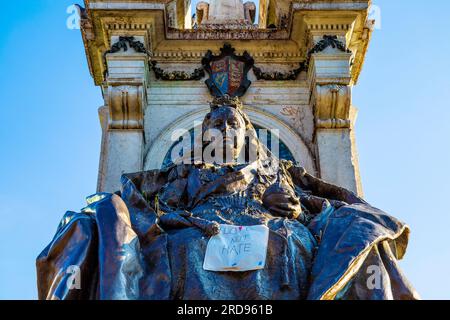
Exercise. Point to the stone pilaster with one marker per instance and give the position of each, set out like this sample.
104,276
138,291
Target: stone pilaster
329,76
125,94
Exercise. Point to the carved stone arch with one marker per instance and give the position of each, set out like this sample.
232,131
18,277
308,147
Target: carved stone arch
156,152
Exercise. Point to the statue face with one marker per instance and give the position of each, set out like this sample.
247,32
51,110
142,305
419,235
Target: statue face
227,124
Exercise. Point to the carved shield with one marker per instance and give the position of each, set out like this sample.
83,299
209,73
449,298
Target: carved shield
228,72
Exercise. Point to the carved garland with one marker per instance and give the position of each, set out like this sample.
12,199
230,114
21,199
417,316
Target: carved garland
160,74
199,73
327,41
278,76
122,44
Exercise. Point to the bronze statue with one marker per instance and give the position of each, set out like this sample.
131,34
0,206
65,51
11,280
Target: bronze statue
148,241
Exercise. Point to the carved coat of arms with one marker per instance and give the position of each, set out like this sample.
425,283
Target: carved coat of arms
228,72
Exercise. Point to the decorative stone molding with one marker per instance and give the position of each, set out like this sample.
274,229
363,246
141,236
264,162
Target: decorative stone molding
160,74
126,104
251,33
289,55
288,41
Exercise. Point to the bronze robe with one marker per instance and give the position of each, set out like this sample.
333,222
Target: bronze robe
122,253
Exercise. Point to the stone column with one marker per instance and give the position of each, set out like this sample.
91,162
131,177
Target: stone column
331,96
123,116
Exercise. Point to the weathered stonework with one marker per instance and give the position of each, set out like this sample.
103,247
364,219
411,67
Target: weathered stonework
307,57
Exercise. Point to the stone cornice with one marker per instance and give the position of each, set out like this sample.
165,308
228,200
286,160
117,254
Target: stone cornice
330,5
104,19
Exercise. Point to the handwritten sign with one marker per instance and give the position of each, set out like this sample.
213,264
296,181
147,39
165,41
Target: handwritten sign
237,249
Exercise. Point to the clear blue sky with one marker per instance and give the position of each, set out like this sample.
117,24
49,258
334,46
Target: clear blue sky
50,134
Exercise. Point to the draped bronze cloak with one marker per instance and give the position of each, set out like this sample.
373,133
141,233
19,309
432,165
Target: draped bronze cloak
121,252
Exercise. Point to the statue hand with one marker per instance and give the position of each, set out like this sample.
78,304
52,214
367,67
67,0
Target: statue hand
184,219
316,204
282,203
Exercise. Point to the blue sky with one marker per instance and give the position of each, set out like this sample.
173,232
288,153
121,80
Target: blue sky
50,133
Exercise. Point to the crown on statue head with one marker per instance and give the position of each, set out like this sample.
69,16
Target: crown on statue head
226,101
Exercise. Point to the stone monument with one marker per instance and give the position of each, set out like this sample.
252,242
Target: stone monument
186,162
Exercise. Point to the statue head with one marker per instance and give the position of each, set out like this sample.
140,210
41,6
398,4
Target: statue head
227,137
224,129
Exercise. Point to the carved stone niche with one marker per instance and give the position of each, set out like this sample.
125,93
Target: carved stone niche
126,104
332,106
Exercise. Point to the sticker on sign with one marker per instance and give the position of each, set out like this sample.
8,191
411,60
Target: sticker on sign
237,249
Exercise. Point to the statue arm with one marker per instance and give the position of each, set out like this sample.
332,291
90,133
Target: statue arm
164,193
321,188
66,268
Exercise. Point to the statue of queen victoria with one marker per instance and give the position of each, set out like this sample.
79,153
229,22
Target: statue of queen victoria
153,239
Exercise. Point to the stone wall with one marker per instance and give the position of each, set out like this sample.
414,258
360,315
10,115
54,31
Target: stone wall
281,105
306,68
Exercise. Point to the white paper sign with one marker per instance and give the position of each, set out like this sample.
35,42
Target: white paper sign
237,249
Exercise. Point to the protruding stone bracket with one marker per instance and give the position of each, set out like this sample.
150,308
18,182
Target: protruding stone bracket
332,106
126,82
330,81
126,104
